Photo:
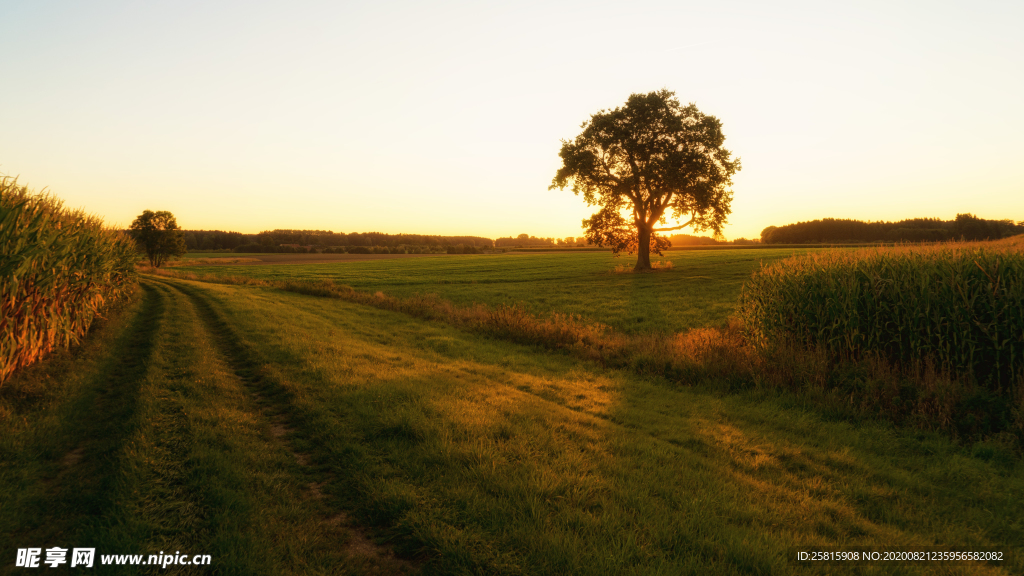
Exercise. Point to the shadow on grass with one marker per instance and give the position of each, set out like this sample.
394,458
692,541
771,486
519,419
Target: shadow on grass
64,503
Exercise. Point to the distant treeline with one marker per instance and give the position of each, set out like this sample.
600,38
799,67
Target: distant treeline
527,241
320,240
833,230
280,240
691,240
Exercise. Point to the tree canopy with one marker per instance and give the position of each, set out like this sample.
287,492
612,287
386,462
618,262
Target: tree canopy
649,159
158,235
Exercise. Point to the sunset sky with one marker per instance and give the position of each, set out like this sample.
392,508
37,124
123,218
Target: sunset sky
446,117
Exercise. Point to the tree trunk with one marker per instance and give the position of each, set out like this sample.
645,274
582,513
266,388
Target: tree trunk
643,250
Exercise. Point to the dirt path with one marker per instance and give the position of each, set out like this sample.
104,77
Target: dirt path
177,441
269,408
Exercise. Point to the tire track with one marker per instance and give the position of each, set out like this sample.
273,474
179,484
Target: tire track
274,401
696,446
104,421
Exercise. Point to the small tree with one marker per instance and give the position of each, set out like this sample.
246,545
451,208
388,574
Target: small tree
647,158
157,233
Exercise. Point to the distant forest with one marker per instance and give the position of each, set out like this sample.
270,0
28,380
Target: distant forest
302,240
691,240
364,242
832,230
828,230
527,241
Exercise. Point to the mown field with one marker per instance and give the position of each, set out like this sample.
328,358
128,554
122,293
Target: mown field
287,433
702,289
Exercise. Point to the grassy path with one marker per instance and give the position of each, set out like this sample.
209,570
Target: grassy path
262,427
166,443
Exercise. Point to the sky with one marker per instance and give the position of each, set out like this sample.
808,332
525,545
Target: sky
447,117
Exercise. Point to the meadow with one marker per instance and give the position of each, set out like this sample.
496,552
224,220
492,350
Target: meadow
518,413
702,289
856,331
284,433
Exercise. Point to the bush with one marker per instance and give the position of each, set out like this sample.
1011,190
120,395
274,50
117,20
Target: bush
60,269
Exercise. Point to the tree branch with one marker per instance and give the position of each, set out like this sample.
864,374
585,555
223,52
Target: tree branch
674,227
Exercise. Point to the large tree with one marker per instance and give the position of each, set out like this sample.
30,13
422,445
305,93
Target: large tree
158,235
649,159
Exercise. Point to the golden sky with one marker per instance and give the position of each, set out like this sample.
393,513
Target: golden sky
446,117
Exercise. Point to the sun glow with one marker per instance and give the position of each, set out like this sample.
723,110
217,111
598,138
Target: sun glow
447,118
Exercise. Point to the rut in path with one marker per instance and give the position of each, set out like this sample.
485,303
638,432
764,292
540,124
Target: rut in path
272,399
87,471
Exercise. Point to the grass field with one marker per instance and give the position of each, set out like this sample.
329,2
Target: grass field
284,433
702,289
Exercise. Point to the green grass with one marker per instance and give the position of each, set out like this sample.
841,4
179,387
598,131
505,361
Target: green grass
265,428
147,441
701,290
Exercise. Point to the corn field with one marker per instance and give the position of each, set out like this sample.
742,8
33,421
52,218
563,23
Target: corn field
958,306
59,269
